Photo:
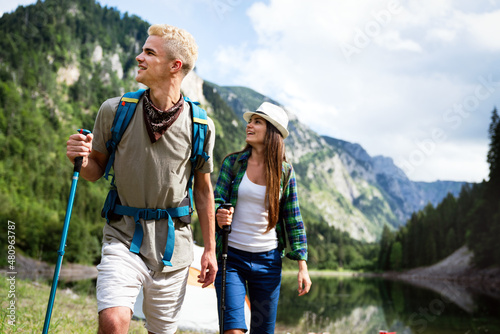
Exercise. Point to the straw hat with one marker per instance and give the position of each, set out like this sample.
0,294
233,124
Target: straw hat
273,114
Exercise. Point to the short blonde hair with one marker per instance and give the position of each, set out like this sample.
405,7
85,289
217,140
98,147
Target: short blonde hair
179,44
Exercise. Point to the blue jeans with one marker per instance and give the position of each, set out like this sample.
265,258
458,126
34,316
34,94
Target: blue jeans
261,273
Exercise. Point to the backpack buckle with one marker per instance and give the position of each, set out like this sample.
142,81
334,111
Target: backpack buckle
149,214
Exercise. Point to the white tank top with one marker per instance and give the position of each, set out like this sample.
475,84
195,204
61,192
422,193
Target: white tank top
250,220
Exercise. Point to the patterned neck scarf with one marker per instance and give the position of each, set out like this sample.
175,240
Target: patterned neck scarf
158,121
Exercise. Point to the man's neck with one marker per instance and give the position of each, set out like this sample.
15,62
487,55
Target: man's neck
165,97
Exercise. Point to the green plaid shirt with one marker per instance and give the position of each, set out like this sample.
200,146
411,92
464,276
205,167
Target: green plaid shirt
226,190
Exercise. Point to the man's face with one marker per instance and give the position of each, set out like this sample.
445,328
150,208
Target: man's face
153,62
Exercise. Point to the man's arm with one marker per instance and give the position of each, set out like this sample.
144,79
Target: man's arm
94,162
204,200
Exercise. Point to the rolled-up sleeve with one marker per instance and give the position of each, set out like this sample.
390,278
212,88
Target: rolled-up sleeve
294,224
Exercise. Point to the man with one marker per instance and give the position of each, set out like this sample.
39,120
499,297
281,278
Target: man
152,168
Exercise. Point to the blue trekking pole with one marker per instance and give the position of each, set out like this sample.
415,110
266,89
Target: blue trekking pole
62,245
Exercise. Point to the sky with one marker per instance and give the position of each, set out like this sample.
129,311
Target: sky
413,80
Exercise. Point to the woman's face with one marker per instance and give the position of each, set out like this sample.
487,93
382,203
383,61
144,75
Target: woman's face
256,130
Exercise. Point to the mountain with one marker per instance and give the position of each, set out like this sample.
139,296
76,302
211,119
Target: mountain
340,182
60,59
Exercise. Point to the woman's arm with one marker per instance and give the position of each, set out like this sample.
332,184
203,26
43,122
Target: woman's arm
293,222
303,278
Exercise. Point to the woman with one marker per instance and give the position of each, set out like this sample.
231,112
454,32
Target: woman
261,187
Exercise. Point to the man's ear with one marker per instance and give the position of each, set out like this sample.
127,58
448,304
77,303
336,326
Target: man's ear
175,65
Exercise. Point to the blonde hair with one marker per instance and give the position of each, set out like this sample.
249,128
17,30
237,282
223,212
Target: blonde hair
179,44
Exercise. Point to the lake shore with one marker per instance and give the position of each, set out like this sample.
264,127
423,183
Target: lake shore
454,278
455,268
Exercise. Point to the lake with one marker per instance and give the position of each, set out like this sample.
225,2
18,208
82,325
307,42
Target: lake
367,305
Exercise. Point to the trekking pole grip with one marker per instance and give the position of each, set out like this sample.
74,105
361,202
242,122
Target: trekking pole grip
226,229
78,164
79,160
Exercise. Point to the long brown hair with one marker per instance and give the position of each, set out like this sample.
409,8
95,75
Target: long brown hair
274,155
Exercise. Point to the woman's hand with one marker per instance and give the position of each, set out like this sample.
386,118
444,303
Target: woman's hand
303,278
224,216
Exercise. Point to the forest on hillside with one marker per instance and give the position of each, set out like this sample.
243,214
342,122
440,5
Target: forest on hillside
435,232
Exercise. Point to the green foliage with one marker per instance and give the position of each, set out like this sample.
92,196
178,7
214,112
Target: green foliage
39,110
330,248
396,257
386,242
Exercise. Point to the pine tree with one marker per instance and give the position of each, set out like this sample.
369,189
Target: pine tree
396,256
494,156
386,242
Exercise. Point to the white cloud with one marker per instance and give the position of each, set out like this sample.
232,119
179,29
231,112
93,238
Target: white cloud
390,90
483,29
392,41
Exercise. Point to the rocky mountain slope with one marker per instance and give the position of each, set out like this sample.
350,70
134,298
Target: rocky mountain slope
340,182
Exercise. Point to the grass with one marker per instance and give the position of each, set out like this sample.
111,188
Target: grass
72,312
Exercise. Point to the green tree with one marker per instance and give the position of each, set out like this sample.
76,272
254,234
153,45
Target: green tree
386,242
494,156
451,241
396,256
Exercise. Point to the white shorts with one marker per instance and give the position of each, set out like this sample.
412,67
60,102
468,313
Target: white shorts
121,274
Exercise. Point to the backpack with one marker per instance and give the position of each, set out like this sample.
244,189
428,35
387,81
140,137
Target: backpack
113,210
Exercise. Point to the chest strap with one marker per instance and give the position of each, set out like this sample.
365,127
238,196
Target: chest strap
157,214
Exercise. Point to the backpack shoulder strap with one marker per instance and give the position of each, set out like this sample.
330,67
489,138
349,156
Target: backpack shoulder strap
236,166
124,113
200,130
285,178
285,175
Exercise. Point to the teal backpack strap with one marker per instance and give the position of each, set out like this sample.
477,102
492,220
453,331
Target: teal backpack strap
124,113
200,130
